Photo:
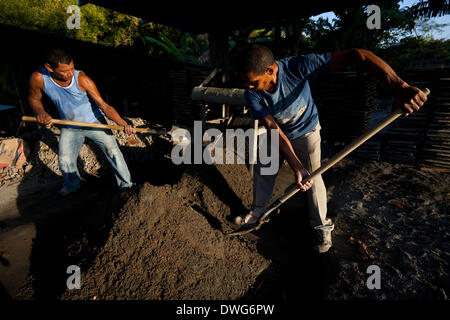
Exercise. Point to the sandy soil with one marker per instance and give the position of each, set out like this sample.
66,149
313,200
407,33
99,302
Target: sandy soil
165,239
402,215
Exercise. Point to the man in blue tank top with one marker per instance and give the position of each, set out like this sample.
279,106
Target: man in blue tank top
70,89
279,96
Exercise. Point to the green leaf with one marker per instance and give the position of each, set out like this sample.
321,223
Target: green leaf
168,49
169,43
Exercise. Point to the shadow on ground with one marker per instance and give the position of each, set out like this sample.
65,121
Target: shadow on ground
296,270
71,230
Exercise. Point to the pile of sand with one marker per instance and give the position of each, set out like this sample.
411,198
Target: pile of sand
167,241
161,247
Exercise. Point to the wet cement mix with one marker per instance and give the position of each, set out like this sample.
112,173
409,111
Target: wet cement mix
166,238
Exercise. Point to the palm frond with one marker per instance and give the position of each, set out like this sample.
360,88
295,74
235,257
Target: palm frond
430,8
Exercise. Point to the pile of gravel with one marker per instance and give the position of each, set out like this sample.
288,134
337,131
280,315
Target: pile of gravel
43,159
11,174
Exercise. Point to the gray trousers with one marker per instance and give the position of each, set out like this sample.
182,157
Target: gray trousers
307,149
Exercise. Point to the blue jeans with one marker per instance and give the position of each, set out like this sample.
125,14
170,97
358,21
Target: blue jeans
70,143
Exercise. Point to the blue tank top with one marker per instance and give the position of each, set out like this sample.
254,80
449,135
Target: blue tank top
72,103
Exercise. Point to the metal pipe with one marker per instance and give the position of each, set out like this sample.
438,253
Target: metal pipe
232,96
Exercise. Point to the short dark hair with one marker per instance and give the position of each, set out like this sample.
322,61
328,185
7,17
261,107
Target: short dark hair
254,58
54,56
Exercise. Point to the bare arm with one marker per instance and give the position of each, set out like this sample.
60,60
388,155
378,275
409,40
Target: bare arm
36,83
407,97
288,153
87,84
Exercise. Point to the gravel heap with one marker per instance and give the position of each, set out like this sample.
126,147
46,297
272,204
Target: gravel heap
43,158
11,174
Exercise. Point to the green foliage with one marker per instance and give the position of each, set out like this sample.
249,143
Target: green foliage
189,50
106,27
414,49
349,29
251,35
43,15
170,48
260,35
98,25
428,9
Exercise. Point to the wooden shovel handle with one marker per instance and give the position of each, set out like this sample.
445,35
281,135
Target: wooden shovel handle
293,189
94,125
359,141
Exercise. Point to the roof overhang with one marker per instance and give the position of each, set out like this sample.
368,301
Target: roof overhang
215,16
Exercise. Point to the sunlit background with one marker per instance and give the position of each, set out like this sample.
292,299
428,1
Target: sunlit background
440,26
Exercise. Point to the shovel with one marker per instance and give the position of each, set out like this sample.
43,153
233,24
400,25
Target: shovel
293,189
96,125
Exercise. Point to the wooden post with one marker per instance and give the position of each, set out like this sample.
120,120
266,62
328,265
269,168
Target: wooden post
253,152
276,40
218,47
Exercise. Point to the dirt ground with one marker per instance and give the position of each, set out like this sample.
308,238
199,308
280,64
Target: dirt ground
166,238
